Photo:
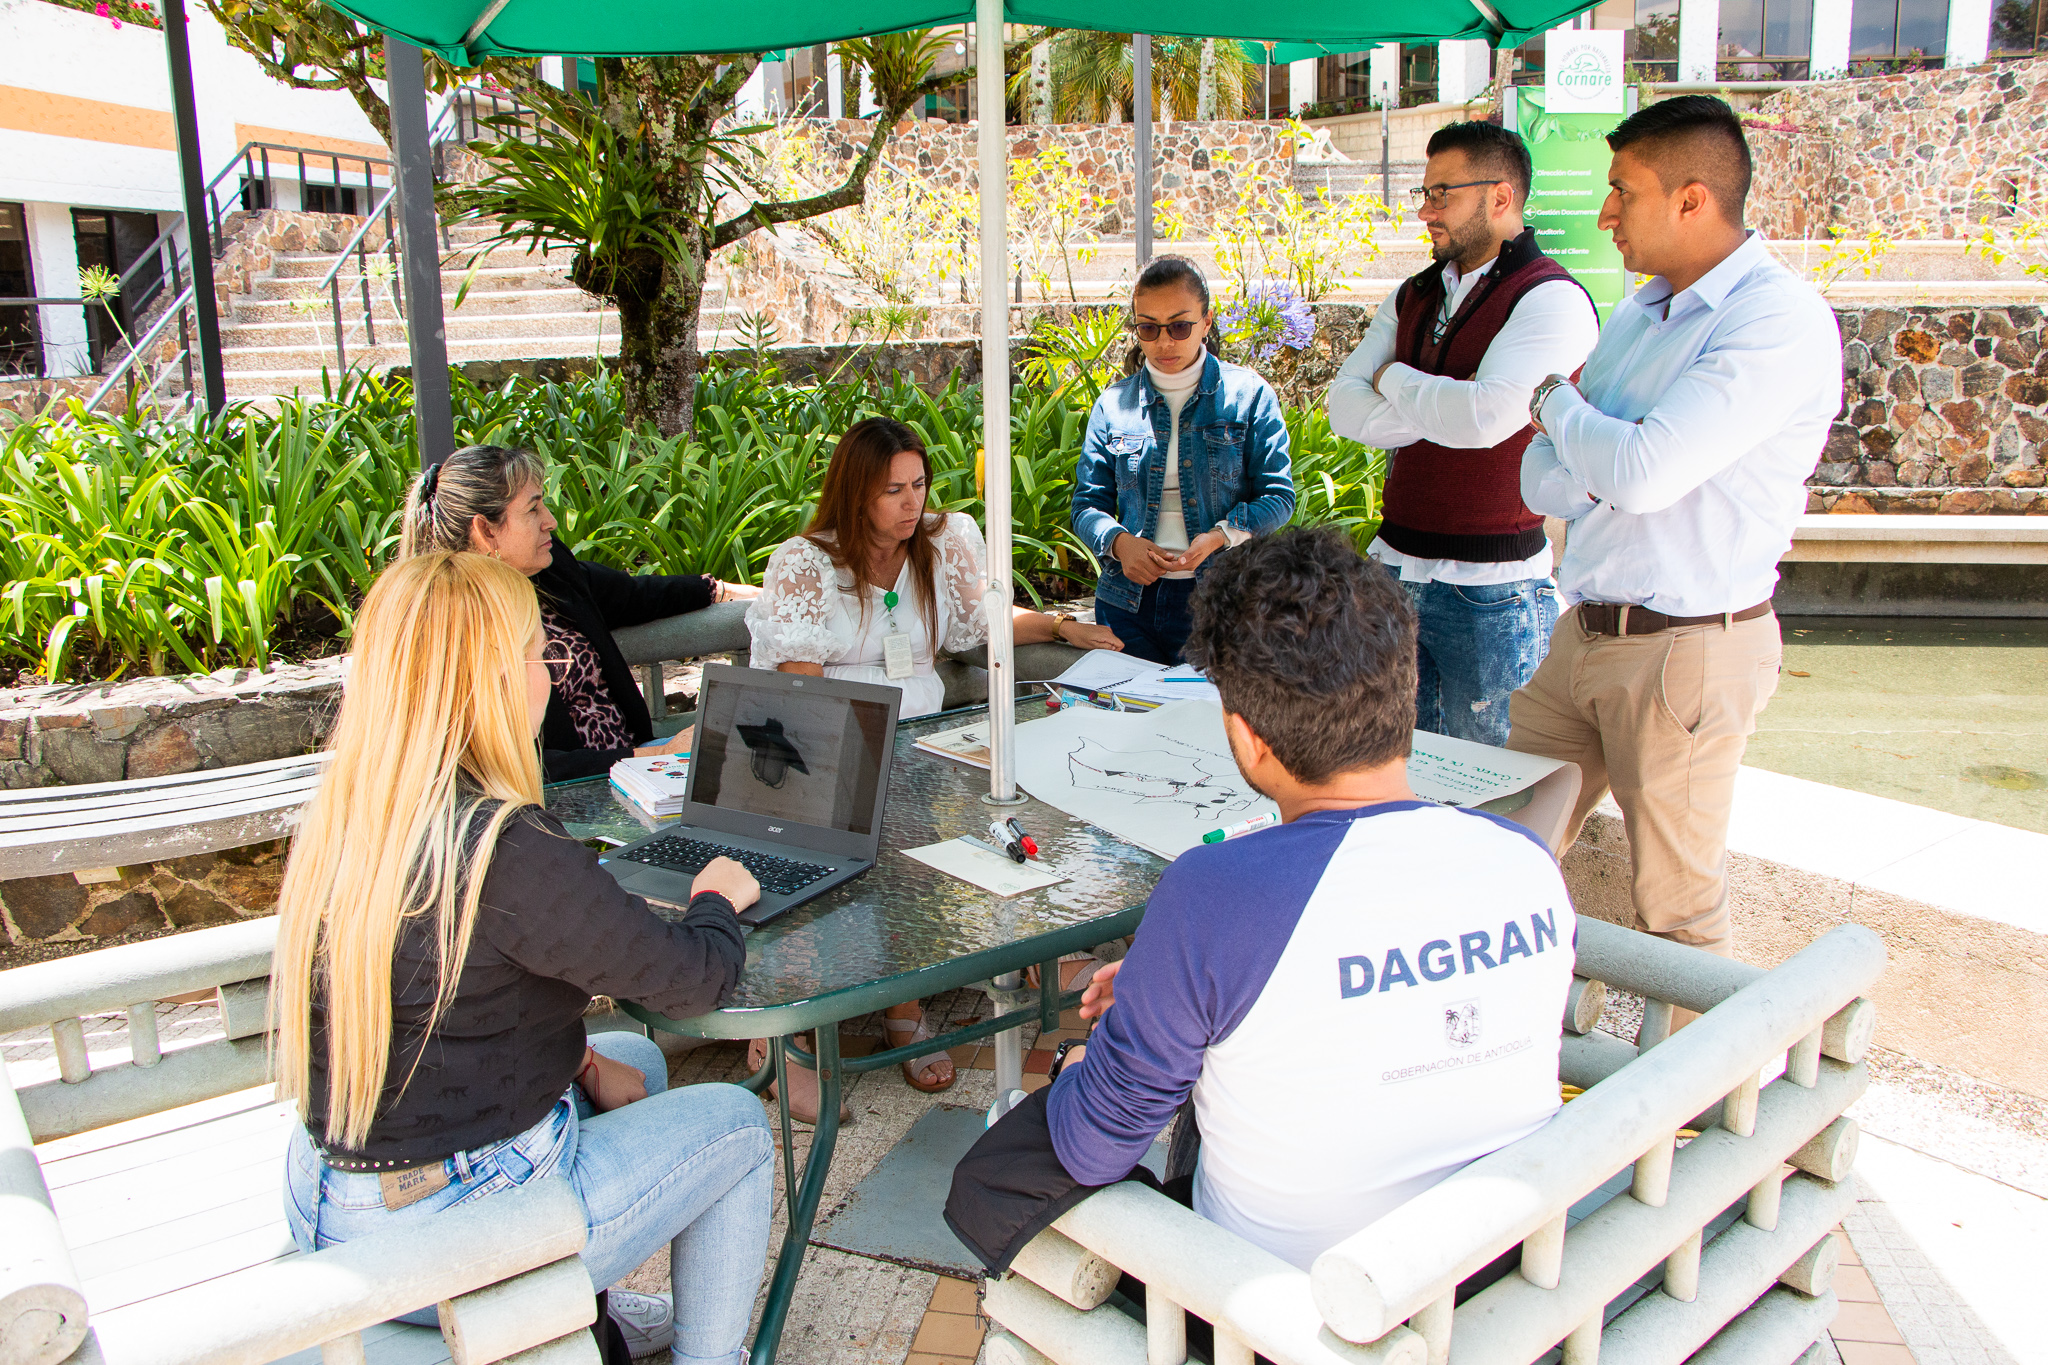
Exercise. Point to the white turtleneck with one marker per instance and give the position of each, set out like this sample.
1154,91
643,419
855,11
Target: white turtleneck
1175,388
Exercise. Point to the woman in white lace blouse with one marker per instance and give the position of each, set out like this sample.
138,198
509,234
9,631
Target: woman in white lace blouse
874,591
830,611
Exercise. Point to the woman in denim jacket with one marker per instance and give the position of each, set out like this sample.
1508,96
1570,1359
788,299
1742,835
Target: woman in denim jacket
1187,455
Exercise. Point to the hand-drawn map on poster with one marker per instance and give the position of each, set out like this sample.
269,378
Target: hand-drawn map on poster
1158,779
1162,779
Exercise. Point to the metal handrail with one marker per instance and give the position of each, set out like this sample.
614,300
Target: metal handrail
246,161
331,281
176,312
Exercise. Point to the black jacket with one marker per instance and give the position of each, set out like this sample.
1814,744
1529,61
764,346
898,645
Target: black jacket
552,930
597,601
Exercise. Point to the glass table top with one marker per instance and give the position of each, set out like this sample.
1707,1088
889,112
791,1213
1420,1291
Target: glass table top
903,918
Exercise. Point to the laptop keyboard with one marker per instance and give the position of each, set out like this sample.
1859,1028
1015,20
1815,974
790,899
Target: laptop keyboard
783,876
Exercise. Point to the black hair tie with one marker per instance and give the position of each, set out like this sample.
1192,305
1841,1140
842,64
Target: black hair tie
430,481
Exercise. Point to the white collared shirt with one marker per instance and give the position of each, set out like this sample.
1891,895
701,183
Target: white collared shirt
1683,466
1550,331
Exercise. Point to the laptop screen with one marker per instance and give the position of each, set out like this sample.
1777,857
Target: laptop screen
765,751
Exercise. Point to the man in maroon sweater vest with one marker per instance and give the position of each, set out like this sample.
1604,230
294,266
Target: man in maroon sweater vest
1442,379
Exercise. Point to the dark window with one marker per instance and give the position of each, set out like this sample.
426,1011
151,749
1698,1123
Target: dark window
21,352
1765,40
1418,74
330,199
114,241
1892,34
255,194
1652,45
1345,79
2019,27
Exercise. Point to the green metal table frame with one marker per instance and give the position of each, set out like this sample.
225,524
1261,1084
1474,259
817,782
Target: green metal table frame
894,936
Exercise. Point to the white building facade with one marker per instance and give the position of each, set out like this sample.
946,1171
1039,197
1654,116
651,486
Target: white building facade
89,164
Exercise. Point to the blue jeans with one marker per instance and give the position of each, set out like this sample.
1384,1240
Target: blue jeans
1475,644
1158,629
691,1167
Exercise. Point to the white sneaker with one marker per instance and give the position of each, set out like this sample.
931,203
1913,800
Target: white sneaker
646,1320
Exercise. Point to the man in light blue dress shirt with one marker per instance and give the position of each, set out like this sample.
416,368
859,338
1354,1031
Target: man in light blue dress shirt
1680,460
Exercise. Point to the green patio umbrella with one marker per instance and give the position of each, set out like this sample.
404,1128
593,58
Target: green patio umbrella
465,31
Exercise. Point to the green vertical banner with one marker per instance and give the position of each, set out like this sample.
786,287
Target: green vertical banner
1570,155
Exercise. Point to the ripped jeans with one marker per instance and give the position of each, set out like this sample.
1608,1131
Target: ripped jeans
1475,644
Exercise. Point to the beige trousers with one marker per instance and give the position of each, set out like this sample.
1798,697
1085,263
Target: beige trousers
1662,721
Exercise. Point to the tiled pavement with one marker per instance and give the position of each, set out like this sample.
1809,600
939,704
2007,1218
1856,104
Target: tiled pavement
853,1310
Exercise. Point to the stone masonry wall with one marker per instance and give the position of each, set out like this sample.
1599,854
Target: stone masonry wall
153,727
1192,180
1944,410
1924,153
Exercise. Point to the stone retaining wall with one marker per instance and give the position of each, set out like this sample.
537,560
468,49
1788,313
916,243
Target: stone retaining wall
1923,153
1192,180
1944,410
57,735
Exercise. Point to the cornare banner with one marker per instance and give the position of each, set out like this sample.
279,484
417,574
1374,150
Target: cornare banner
1570,157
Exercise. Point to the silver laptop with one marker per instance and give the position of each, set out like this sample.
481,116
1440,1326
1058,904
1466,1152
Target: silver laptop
788,776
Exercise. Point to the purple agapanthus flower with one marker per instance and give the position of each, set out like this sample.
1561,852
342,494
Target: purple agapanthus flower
1271,317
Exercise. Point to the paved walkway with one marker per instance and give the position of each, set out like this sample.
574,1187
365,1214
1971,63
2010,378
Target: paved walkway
1941,1262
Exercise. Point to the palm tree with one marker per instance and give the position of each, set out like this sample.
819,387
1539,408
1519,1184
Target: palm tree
1091,77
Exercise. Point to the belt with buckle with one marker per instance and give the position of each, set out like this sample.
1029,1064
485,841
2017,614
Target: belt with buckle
1608,618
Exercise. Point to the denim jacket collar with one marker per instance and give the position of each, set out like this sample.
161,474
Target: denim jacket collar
1212,375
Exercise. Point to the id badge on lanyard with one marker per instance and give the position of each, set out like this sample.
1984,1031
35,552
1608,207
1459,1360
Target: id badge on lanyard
897,657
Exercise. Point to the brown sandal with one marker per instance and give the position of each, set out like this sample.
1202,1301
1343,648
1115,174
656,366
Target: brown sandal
803,1086
919,1031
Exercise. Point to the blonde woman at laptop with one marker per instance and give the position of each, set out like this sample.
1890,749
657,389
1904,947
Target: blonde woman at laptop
873,592
439,937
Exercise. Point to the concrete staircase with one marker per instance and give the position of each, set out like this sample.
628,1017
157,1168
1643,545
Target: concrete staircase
279,338
1344,179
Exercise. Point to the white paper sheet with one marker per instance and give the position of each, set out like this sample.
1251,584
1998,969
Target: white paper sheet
1158,779
1162,779
1458,772
973,862
1103,670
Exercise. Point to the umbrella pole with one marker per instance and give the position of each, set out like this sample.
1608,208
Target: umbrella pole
992,151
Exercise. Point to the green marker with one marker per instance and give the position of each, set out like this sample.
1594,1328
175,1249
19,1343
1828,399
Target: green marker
1217,836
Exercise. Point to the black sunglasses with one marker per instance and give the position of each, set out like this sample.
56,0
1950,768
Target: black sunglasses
1149,331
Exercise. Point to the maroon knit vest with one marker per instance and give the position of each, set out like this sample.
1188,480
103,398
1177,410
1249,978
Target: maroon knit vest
1444,502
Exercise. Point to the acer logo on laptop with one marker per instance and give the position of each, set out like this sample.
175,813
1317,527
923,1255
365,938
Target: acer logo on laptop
775,829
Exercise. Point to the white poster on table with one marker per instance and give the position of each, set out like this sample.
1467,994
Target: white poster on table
1162,779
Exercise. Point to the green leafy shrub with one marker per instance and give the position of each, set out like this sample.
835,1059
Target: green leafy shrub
156,547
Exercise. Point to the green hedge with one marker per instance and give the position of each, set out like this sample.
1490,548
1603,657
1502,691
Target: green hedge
163,549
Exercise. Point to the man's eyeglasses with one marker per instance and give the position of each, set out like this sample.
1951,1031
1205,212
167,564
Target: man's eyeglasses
1149,331
555,656
1436,196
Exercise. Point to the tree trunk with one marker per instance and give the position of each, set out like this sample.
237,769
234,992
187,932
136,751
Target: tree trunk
849,89
1205,96
1041,84
655,98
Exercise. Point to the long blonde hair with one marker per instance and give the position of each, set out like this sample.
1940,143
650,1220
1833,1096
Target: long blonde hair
433,724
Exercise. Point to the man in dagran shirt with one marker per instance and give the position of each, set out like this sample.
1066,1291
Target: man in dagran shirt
1359,1001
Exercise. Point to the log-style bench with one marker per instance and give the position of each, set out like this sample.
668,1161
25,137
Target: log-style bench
148,1224
49,830
1638,1246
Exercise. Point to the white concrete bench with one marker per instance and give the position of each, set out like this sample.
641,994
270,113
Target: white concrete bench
148,1225
1918,539
49,830
1635,1250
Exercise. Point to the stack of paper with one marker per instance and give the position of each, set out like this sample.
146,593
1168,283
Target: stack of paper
1108,673
968,744
655,783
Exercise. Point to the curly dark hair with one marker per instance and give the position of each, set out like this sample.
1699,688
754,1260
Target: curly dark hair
1314,646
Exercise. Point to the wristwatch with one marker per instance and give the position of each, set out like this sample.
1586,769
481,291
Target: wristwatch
1543,391
1059,1057
1060,618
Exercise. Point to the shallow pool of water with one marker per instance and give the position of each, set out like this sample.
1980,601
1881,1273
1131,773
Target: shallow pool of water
1951,714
